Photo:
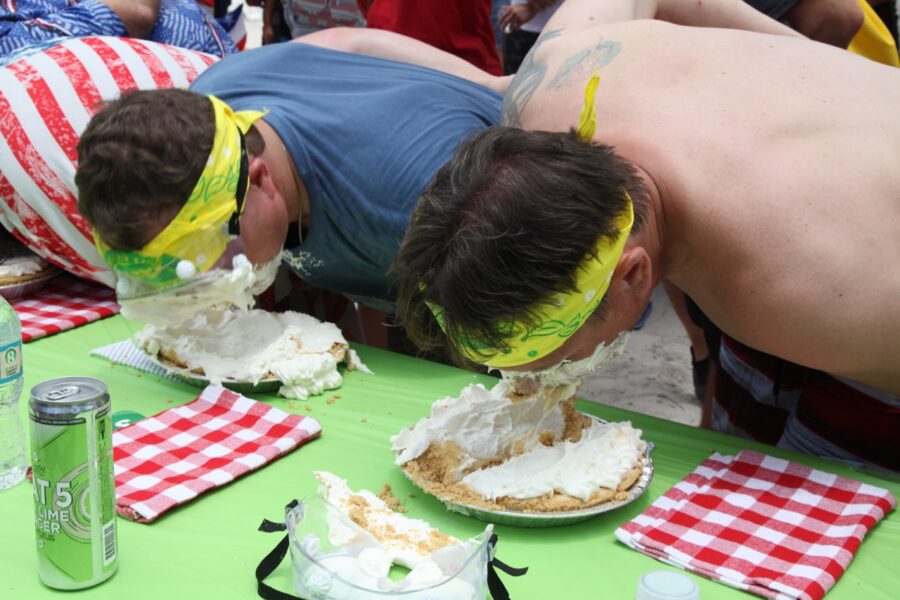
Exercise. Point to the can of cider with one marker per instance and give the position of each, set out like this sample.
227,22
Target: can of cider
74,482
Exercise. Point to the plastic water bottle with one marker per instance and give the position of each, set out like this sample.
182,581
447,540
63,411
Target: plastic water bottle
12,430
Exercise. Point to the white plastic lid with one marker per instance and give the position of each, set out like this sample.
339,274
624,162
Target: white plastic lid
666,585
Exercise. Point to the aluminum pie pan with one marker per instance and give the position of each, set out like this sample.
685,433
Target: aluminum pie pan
187,376
14,291
552,519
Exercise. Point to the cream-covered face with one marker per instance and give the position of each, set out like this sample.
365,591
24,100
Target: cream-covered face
568,371
603,335
624,302
581,345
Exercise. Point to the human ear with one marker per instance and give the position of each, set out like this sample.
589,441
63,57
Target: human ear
260,175
634,273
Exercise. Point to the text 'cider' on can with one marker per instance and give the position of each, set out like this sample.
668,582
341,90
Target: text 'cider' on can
74,482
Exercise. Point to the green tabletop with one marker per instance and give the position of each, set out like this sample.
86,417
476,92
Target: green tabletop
209,548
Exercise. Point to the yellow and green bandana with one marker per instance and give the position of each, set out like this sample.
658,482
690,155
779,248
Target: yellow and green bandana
565,313
560,317
201,230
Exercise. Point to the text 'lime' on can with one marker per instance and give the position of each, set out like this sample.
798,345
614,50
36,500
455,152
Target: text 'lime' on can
74,482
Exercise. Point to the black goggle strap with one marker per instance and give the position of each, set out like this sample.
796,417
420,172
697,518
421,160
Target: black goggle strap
271,561
495,585
234,227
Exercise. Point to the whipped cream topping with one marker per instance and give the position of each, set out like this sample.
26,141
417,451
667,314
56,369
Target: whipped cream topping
404,541
485,424
449,572
217,289
567,371
16,266
297,349
600,459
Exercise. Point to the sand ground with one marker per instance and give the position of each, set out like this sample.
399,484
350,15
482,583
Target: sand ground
654,374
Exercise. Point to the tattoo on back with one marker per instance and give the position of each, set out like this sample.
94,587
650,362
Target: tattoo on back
527,80
580,66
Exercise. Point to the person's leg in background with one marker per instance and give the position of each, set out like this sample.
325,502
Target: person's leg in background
700,360
832,22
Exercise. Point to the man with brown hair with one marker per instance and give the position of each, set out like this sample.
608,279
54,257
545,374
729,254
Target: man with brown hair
349,143
770,200
336,146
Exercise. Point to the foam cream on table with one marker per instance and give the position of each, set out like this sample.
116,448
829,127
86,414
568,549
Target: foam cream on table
297,349
485,424
431,556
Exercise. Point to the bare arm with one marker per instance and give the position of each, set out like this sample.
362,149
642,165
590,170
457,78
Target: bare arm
393,46
138,16
727,14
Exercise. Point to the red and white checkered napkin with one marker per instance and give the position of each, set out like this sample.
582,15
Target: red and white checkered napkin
762,524
65,303
174,456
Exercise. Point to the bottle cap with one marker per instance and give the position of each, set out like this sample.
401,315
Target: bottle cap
124,418
666,585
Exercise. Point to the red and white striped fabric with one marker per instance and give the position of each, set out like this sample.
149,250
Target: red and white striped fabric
64,303
772,527
46,101
173,457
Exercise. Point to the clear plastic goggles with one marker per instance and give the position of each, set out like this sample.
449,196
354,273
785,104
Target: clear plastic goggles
334,558
232,282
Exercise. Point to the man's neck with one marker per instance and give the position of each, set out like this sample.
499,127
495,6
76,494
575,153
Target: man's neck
653,236
675,254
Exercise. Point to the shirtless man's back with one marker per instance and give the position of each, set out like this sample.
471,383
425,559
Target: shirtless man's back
775,168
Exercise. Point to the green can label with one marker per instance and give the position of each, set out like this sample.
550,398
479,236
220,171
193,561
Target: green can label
10,361
74,498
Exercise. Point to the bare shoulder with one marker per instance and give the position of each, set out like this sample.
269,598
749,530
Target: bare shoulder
564,58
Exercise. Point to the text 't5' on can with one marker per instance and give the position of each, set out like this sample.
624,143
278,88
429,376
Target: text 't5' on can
74,482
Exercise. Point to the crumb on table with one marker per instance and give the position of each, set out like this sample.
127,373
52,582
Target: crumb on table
387,495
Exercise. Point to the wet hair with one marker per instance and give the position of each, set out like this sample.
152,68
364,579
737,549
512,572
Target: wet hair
503,226
139,159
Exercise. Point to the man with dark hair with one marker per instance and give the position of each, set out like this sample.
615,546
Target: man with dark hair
779,218
338,143
350,142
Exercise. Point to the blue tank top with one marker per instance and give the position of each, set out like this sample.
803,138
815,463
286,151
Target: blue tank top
366,136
